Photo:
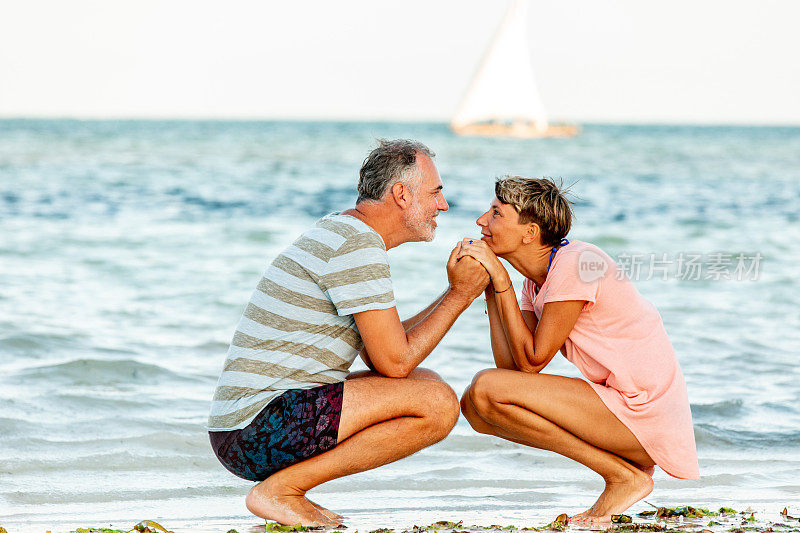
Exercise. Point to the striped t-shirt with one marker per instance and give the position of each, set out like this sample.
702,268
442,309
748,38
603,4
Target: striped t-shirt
298,330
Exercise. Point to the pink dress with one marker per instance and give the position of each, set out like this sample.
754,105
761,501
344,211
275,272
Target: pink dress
620,346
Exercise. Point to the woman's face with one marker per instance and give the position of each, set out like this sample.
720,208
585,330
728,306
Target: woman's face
500,228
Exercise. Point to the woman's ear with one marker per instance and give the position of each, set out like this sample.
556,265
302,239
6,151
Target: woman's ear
532,233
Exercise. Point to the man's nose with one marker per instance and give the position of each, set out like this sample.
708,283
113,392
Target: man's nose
441,203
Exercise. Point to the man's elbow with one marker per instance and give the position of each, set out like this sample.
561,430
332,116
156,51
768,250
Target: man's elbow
393,369
397,373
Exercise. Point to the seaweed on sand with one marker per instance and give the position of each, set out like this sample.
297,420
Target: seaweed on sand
459,527
99,530
686,511
786,516
559,524
637,527
276,527
441,524
145,526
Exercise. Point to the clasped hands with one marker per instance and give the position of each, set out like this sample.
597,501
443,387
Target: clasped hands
473,267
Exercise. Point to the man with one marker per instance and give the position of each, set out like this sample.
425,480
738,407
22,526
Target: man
286,412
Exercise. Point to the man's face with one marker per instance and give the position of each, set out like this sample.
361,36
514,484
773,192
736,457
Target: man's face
426,202
500,228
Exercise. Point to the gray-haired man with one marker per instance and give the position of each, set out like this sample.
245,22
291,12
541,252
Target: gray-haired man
287,413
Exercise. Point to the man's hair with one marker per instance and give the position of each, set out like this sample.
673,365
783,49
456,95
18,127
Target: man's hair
538,200
390,162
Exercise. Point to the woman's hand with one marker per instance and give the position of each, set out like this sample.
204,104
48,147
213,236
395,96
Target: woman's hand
468,277
479,250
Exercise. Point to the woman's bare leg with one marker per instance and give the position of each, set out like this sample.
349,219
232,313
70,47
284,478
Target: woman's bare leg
383,420
566,416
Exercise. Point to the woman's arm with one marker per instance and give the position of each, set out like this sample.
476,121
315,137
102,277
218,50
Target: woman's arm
532,345
500,348
532,352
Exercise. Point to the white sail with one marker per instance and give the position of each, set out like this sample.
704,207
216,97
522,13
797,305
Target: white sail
504,88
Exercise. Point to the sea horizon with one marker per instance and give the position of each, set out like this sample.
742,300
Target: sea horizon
378,120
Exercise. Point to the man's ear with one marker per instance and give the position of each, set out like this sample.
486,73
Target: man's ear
401,194
532,233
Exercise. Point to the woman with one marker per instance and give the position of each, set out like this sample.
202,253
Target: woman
632,412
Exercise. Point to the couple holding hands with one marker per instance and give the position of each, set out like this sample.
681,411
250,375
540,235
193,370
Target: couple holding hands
288,414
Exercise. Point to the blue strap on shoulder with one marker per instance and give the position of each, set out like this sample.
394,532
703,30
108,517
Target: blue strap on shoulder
563,242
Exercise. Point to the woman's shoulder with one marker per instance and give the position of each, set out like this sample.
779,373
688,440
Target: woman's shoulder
584,255
577,262
577,246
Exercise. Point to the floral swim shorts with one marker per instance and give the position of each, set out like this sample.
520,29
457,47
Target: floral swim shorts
297,425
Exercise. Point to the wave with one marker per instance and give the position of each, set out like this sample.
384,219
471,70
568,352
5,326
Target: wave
93,371
116,461
102,494
711,435
38,343
724,409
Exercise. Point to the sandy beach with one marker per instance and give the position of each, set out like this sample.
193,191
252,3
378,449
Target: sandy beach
713,521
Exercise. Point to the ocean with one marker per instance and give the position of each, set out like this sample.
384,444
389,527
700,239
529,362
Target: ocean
128,250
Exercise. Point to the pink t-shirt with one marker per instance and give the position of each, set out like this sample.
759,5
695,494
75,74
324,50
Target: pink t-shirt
620,345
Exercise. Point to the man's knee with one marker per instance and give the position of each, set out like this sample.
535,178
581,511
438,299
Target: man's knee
425,373
417,373
442,408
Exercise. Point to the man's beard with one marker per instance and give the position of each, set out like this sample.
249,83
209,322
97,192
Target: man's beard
420,224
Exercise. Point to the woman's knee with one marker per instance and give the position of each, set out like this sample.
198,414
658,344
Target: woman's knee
469,412
482,392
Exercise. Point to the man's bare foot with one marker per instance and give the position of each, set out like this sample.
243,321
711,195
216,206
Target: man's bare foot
326,512
616,498
285,506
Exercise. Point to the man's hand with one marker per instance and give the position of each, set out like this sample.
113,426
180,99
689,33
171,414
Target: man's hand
467,277
480,251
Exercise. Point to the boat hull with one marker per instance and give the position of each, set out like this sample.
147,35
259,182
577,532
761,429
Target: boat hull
516,130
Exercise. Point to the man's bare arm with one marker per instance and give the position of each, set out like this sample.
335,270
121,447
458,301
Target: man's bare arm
409,323
395,352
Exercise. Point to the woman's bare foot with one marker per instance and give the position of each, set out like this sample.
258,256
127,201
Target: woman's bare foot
286,506
649,470
616,498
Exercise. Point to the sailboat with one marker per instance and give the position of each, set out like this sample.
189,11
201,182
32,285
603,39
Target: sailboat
503,100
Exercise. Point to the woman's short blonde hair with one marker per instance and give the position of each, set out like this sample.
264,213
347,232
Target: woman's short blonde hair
538,200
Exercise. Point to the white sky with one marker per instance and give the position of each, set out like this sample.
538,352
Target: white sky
697,61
